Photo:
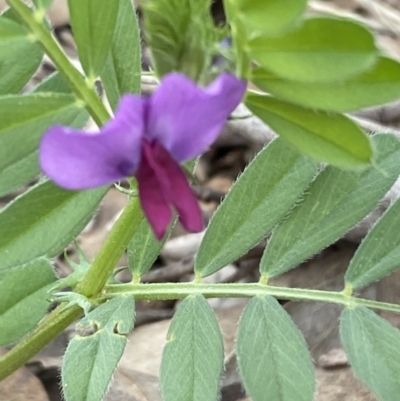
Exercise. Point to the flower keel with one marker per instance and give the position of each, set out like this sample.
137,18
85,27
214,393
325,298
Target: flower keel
163,186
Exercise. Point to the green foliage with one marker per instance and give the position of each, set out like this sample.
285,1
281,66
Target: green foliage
379,253
93,355
42,221
266,17
20,57
327,137
310,70
260,198
93,24
273,358
378,85
23,298
181,36
42,4
23,119
54,83
143,249
373,348
320,50
332,205
193,356
121,73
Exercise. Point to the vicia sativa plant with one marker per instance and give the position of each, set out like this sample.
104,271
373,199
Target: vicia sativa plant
307,188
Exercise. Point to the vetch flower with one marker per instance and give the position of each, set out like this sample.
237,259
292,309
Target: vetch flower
147,138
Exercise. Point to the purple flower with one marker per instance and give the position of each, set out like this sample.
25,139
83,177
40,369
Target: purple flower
147,138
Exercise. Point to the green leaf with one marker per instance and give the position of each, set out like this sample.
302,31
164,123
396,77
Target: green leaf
193,357
20,57
373,347
334,203
92,357
43,221
321,50
327,137
42,4
93,24
379,253
53,83
380,84
181,36
23,298
263,194
144,248
273,358
23,119
267,17
121,73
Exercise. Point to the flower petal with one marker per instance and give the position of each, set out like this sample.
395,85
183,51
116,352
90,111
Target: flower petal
163,184
185,118
153,192
77,159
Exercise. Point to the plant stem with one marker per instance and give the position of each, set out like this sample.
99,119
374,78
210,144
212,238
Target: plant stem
111,251
76,81
116,242
92,283
48,329
165,291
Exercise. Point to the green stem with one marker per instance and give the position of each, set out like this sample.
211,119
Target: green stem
82,90
48,329
111,251
90,286
116,242
167,291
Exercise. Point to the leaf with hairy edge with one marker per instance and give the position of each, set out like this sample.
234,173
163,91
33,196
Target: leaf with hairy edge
93,24
267,17
327,137
23,300
122,71
23,119
334,203
43,220
144,248
261,197
321,50
380,84
92,356
53,83
193,357
273,358
20,57
379,253
373,347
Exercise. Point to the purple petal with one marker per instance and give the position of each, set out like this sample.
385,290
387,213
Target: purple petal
153,192
185,118
180,194
162,184
76,159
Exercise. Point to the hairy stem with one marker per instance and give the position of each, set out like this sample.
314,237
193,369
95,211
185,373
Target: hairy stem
165,291
111,251
115,244
90,286
84,92
48,329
